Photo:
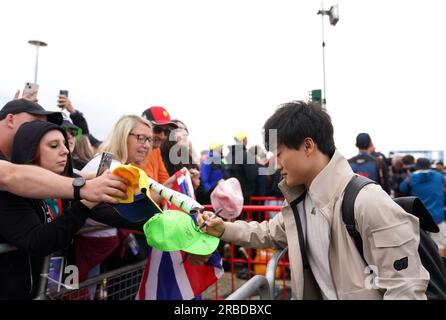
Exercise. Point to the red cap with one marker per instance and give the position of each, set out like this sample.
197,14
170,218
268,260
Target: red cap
158,115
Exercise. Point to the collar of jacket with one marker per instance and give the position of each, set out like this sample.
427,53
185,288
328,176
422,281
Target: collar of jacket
325,185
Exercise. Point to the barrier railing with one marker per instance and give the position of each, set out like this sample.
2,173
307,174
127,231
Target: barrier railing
248,259
264,286
256,285
270,273
123,283
118,284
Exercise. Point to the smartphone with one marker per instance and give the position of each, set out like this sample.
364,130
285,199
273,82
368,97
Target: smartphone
30,91
106,160
63,93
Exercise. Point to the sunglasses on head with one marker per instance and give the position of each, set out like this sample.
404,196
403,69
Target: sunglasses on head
160,129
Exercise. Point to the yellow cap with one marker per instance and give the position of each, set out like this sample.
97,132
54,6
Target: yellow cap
215,144
240,135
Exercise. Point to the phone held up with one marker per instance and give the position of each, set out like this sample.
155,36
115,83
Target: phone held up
106,160
63,93
30,91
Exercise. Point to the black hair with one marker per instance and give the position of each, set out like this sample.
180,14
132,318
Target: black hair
297,120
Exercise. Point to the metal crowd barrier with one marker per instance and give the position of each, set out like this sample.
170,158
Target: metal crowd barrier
256,285
247,262
264,286
123,283
119,284
271,267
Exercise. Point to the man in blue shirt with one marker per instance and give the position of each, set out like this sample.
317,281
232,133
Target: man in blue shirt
427,184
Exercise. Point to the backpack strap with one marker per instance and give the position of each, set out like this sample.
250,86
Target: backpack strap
348,208
300,233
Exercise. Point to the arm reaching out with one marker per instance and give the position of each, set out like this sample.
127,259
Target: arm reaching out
37,183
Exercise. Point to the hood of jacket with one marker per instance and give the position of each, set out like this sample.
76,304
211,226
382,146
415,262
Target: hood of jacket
27,139
423,176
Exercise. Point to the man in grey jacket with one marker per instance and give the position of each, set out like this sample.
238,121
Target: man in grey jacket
324,261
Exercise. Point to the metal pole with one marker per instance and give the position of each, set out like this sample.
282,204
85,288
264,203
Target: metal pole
37,64
37,44
257,284
41,293
270,273
324,101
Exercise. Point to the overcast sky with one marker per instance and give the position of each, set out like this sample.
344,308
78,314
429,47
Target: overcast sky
223,66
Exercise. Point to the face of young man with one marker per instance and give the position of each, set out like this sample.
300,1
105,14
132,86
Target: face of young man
294,165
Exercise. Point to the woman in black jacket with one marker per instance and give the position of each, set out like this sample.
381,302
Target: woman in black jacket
30,224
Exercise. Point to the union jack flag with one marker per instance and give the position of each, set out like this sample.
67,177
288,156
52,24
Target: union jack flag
168,275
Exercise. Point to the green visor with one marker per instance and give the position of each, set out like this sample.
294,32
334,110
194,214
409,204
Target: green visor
174,230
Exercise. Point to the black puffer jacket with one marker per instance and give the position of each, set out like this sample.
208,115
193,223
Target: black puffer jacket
24,223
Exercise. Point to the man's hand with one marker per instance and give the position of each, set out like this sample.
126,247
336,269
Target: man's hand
105,188
214,224
65,103
197,260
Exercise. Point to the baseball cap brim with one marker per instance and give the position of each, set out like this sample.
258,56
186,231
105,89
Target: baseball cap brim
142,209
206,244
173,125
51,116
173,230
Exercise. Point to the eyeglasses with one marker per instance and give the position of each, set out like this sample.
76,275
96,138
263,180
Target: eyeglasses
142,138
159,129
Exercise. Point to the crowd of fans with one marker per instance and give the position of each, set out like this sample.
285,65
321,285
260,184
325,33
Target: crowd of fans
83,228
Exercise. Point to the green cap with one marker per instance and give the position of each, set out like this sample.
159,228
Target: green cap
174,230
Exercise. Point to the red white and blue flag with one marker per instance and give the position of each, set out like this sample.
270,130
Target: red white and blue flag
168,275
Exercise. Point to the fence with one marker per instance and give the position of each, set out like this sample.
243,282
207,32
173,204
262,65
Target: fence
118,284
248,264
264,286
123,283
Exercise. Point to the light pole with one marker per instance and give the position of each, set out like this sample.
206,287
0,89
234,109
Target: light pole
37,44
333,15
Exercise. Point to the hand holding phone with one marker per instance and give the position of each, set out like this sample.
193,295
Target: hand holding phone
30,91
63,102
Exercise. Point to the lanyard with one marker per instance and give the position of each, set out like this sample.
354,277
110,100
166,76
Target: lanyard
54,207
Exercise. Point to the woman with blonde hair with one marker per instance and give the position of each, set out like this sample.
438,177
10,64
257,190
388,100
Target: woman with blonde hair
130,142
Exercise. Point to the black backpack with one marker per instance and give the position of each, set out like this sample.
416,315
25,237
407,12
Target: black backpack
428,250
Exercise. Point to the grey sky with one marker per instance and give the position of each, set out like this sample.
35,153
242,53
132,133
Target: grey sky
222,66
